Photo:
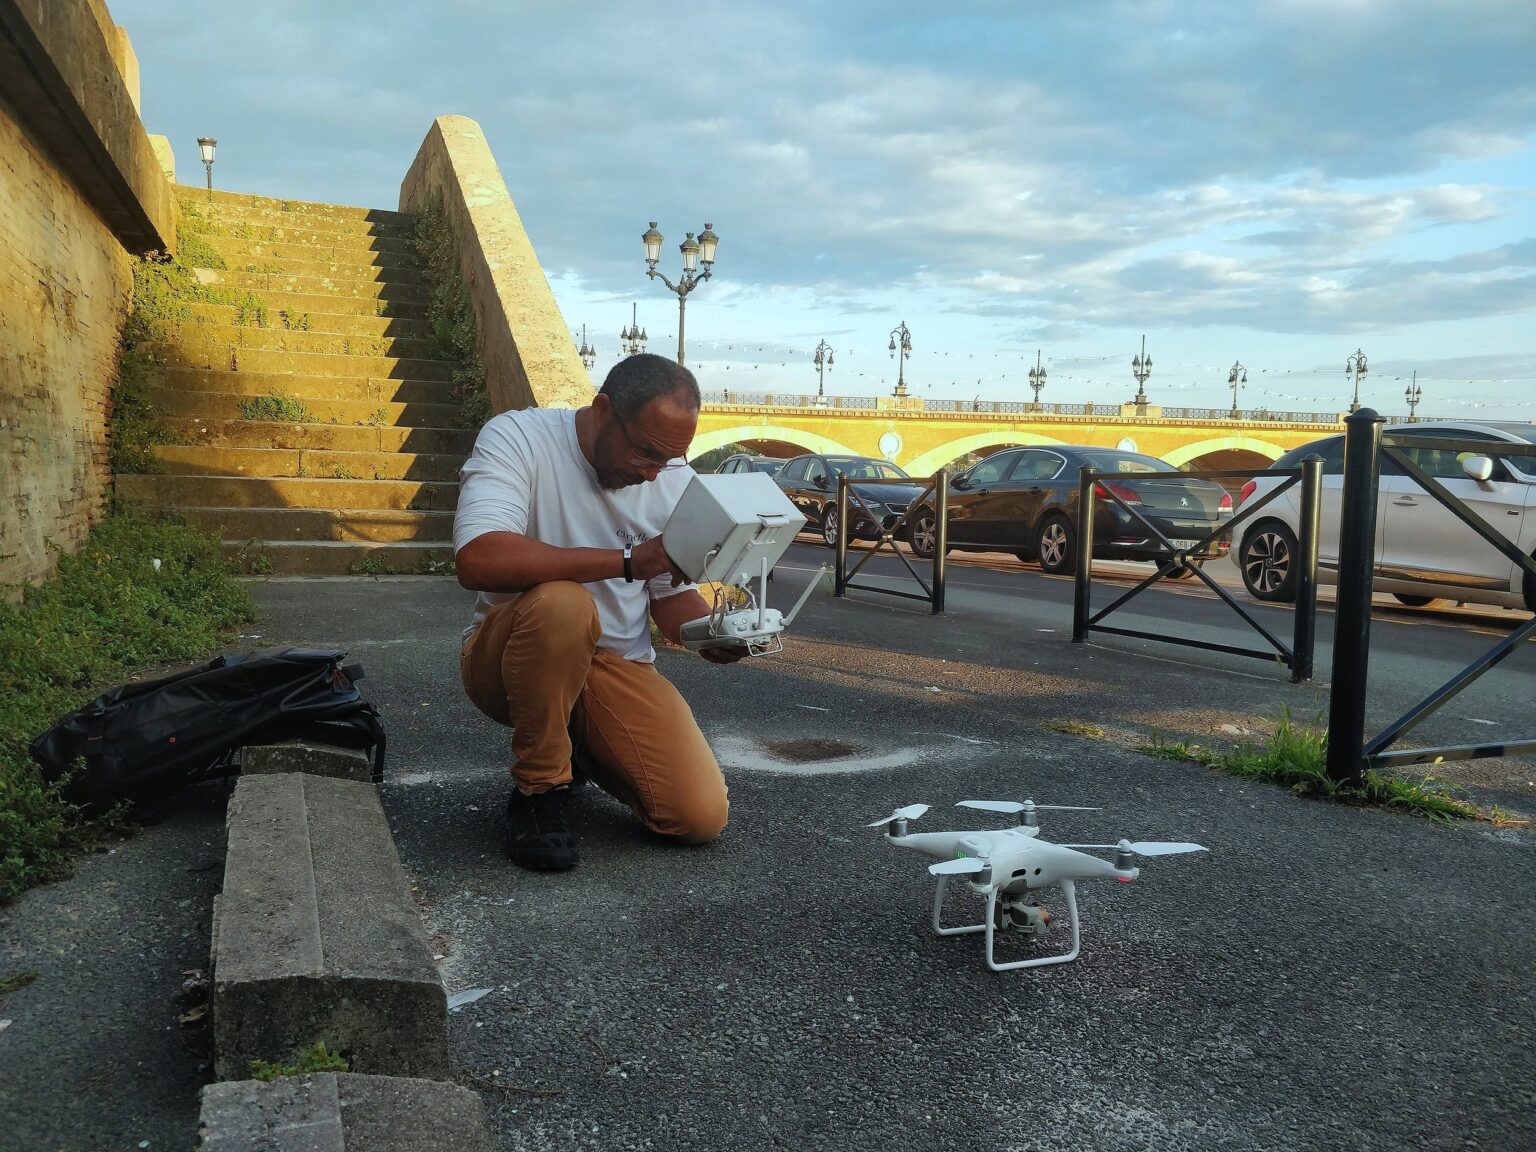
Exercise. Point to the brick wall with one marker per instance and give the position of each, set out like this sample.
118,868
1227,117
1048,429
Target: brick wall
65,287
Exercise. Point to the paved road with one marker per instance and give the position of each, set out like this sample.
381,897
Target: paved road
1325,978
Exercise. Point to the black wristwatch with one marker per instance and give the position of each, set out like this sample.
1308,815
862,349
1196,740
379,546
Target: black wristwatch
629,572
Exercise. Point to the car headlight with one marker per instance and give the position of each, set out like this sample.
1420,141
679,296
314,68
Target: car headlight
874,507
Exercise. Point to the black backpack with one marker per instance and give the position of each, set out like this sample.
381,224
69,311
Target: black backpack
140,741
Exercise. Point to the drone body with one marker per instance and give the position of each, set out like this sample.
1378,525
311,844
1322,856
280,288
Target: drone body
1003,864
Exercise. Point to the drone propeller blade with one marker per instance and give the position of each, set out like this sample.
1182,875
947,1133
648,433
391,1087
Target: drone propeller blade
1147,847
957,866
1013,806
910,812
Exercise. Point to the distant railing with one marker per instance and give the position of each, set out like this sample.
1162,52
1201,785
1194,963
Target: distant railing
730,396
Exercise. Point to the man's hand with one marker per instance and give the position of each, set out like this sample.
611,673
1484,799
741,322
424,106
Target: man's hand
650,560
724,655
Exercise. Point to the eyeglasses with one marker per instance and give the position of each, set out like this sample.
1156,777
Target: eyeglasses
642,457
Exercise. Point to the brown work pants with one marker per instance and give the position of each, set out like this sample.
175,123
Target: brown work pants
534,664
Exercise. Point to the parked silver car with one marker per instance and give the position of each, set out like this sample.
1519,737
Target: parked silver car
1424,554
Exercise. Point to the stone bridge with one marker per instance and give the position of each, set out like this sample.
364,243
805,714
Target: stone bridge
924,435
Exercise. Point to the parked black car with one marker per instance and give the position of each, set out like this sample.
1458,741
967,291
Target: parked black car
1025,500
811,482
744,462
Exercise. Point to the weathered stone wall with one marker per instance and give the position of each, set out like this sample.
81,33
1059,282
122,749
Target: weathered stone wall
65,286
529,356
80,190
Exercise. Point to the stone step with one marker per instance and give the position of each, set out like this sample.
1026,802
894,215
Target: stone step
456,442
174,403
205,460
332,271
305,387
241,219
191,193
262,231
238,252
267,557
279,492
335,306
322,524
274,338
390,293
283,315
217,357
316,935
341,1112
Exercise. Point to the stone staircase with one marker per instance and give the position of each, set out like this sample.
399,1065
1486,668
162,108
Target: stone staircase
313,427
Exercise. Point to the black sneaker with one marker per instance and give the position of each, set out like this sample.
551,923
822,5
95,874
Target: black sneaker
538,836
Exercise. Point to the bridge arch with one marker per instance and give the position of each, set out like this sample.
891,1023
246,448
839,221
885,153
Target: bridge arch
1187,452
932,460
719,437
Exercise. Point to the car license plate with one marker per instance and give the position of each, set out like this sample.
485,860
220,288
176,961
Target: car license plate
1184,545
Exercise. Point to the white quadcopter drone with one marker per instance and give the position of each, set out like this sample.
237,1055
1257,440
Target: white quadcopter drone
1004,864
732,529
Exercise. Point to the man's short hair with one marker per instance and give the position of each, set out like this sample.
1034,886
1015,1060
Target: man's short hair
635,381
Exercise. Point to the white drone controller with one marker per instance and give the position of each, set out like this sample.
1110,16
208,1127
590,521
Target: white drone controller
731,529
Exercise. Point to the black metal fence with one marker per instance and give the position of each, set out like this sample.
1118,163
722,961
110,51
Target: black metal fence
1350,753
1298,656
937,487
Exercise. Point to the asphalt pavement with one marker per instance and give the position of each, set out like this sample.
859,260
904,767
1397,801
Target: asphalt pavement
1324,977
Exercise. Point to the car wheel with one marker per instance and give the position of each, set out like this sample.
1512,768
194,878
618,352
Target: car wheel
924,534
1420,601
1056,546
1268,561
1187,572
829,527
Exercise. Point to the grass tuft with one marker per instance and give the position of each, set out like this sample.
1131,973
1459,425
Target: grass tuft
276,407
318,1058
1295,756
105,614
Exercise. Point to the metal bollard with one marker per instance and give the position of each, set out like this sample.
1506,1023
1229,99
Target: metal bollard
1352,621
841,588
1081,586
940,537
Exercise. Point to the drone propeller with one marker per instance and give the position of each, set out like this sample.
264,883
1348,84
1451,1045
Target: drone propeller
1147,847
1012,807
959,865
910,812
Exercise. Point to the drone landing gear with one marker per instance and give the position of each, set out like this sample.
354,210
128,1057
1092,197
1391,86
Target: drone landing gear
988,925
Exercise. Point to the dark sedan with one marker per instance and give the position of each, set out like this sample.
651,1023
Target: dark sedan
811,482
1024,501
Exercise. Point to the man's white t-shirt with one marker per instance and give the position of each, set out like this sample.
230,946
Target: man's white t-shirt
527,475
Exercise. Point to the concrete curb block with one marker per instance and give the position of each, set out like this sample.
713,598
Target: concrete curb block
317,937
298,756
340,1112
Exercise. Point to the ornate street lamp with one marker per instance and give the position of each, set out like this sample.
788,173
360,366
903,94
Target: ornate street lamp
695,253
823,361
206,145
901,347
1037,379
632,339
1236,378
1413,393
1141,368
588,356
1355,365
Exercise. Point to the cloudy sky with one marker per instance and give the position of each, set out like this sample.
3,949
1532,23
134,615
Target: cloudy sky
1276,182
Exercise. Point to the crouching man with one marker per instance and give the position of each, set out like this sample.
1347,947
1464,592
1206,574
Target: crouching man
559,531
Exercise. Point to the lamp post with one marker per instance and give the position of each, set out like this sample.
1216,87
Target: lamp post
587,354
1141,368
632,339
695,253
823,361
1355,365
1413,393
901,348
1037,379
206,145
1236,378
